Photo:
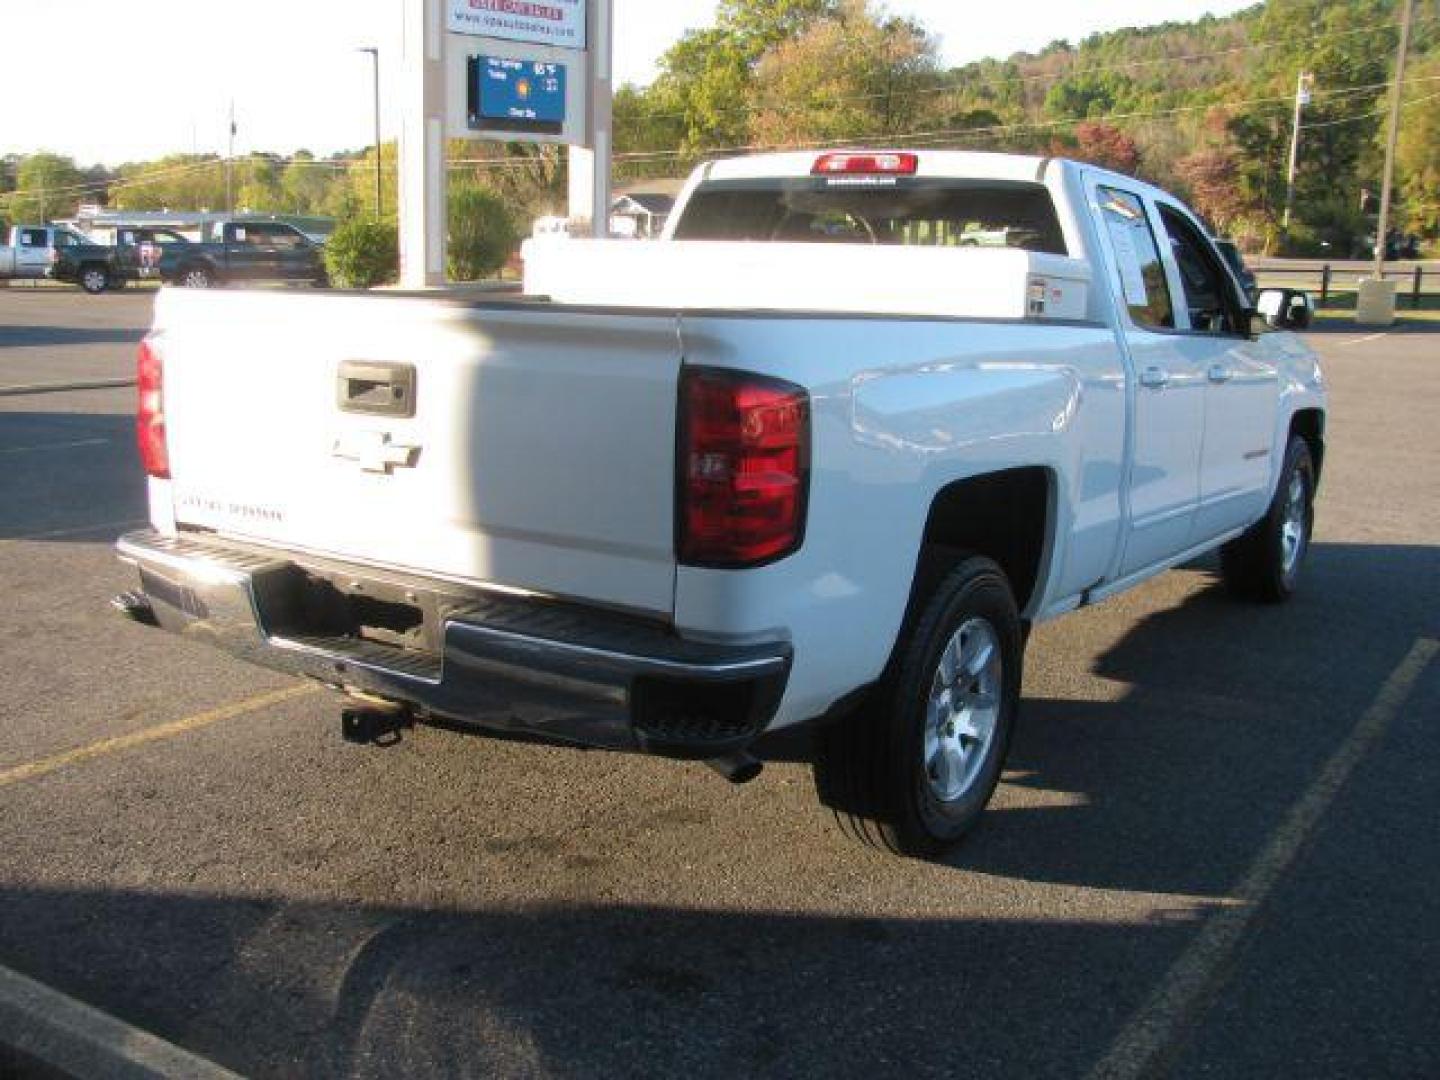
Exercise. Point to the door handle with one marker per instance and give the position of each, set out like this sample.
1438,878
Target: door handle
376,389
1219,373
1155,378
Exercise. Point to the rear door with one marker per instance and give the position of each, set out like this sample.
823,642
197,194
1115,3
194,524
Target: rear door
32,252
246,258
1164,477
507,445
1242,389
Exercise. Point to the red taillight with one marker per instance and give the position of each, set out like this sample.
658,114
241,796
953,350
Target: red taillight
866,165
744,460
150,415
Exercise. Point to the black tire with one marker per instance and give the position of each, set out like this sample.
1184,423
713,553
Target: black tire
94,279
872,770
1260,565
197,276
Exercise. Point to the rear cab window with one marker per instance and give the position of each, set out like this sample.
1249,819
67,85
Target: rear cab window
1137,256
908,211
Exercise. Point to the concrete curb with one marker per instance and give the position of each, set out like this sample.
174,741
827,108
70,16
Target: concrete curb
57,1032
59,388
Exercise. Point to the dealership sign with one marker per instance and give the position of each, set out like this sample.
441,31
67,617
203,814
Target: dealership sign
558,23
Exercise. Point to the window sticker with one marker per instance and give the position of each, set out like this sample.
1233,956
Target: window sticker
1132,277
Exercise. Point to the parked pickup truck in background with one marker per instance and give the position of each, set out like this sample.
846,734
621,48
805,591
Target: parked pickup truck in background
30,250
245,251
812,465
135,255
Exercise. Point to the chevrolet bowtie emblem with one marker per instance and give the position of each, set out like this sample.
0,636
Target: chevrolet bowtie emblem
375,451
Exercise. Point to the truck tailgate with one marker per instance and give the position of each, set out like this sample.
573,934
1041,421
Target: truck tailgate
538,453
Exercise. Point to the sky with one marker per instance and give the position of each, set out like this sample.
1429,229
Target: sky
110,81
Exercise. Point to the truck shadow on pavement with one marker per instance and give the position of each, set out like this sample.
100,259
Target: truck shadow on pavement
34,337
1224,712
68,471
274,988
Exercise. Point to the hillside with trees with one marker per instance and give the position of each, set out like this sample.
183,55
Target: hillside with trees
1203,108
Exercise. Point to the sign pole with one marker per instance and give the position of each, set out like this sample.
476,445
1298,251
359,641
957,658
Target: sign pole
422,145
591,166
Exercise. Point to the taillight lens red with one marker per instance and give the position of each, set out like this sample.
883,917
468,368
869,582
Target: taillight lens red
150,415
871,164
744,463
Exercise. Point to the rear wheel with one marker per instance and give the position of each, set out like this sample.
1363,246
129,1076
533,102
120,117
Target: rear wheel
1264,564
914,771
94,279
197,277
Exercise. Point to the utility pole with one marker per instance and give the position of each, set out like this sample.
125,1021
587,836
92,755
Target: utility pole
230,166
379,183
1303,87
1396,97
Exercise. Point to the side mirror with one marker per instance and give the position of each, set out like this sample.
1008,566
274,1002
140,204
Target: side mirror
1285,309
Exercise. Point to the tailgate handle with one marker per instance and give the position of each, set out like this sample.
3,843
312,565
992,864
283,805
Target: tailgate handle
376,389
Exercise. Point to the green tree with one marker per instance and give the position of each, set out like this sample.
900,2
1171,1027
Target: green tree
47,186
352,189
257,185
483,232
305,184
362,253
707,75
177,182
1417,155
853,75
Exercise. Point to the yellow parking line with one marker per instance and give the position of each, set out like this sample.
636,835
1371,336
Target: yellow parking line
1156,1033
154,734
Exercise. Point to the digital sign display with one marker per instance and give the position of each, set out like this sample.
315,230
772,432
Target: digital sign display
516,95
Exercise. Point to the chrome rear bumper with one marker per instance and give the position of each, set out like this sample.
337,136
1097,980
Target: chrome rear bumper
520,666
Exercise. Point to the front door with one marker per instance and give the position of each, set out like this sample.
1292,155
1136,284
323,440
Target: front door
246,256
32,253
1164,480
1242,385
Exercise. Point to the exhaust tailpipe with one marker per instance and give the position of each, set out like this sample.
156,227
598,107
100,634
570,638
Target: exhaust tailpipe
738,768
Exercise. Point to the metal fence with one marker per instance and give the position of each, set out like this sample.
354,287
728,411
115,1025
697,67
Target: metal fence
1327,280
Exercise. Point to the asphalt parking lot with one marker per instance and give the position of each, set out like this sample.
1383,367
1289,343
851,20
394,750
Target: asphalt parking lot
1216,852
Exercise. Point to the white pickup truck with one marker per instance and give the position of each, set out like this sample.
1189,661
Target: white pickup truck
29,251
815,462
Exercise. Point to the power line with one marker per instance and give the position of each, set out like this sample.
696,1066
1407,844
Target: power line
950,133
1368,115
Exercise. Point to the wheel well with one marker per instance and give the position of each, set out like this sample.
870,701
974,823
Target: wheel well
1309,424
1004,516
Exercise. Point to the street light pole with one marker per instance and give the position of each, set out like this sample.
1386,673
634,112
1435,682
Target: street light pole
379,183
1387,183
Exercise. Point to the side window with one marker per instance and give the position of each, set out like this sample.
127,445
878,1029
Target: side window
282,236
1142,274
33,238
1205,282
